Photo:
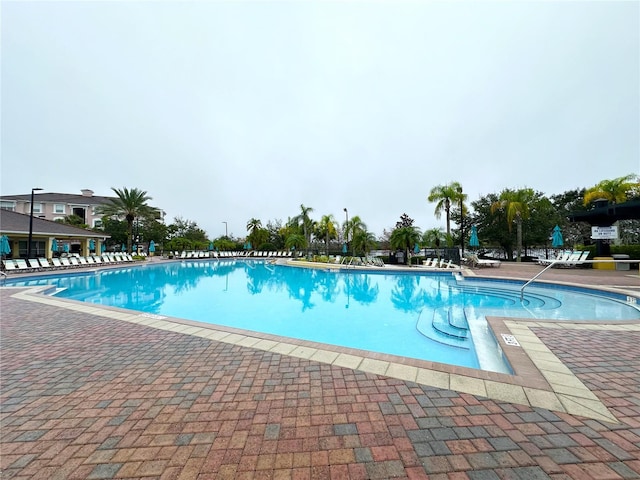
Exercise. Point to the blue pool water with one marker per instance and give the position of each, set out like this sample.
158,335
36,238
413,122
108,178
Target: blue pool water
433,316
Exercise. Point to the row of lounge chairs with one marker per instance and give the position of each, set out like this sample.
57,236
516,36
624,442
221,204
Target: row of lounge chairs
43,264
232,254
438,263
568,259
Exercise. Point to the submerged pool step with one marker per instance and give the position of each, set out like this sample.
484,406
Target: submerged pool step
447,326
512,297
451,322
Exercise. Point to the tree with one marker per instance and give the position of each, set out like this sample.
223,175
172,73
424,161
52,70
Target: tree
74,220
254,226
130,204
353,227
516,204
295,241
364,241
405,238
307,224
405,221
615,191
327,229
433,238
445,195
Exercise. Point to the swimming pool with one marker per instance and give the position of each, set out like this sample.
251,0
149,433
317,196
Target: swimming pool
431,316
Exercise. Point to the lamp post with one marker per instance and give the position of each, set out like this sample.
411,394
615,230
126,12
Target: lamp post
346,227
226,232
31,223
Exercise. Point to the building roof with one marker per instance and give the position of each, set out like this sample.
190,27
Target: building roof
61,198
605,213
18,223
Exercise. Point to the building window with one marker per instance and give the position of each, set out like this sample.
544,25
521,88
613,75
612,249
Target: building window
7,205
37,208
97,223
58,208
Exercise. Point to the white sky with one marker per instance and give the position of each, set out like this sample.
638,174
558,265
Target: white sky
224,111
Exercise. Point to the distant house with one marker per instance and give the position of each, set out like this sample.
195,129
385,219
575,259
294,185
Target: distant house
57,206
77,240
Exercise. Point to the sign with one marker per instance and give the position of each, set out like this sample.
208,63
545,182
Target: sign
604,233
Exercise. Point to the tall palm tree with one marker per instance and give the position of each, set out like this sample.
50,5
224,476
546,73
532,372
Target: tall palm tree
130,204
253,227
405,238
328,229
445,196
516,204
615,190
307,224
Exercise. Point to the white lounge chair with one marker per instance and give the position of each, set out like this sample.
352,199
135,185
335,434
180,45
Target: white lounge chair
9,265
44,263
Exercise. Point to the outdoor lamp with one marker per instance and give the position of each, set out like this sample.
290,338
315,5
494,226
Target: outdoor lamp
31,223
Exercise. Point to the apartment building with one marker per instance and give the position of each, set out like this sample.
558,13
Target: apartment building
56,206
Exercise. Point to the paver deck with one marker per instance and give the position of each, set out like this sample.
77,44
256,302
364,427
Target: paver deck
90,392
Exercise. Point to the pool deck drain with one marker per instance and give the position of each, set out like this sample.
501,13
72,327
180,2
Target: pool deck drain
101,392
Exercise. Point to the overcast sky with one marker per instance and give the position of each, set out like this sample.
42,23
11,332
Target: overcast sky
224,111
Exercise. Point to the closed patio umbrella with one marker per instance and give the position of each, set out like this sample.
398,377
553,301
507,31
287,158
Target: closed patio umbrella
54,245
473,240
344,248
92,245
5,248
124,247
556,237
211,247
152,246
103,247
66,248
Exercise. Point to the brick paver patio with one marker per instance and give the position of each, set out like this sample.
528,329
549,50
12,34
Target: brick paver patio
86,395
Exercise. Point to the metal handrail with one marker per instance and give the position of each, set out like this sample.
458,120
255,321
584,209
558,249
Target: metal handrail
536,276
570,262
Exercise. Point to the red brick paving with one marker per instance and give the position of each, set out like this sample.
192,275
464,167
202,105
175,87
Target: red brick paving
88,397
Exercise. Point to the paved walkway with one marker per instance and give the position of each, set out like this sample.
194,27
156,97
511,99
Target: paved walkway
90,392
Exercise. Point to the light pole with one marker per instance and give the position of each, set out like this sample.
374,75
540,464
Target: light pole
226,232
346,228
31,223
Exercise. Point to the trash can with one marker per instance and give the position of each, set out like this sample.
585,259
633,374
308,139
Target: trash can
621,256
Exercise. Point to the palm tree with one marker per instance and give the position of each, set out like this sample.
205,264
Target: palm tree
130,204
405,238
616,190
253,227
296,241
363,241
516,204
353,227
307,224
433,237
328,229
445,196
